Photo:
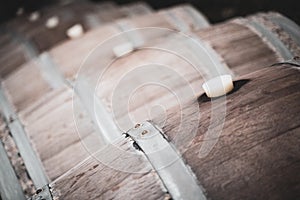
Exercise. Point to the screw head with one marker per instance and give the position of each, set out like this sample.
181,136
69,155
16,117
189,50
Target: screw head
144,132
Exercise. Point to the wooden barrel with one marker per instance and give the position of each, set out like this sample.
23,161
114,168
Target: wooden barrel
28,35
256,156
42,94
48,109
49,104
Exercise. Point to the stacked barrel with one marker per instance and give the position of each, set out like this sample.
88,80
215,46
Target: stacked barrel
88,88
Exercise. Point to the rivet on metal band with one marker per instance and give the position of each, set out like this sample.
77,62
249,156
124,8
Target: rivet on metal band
42,194
178,179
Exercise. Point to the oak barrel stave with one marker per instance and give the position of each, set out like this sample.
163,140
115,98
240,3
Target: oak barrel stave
105,181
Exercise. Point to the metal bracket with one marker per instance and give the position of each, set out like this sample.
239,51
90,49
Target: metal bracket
269,36
288,26
131,33
31,50
273,39
32,161
10,187
97,111
42,194
178,179
50,71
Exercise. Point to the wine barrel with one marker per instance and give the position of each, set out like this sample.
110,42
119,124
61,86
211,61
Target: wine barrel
50,104
42,95
50,97
24,37
256,156
236,47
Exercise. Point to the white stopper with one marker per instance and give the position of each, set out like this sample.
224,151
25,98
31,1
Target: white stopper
34,16
218,86
123,49
20,11
75,31
52,22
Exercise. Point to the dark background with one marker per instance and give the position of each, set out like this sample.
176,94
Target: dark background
215,10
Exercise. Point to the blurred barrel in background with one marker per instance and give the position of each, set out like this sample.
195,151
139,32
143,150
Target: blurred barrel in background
26,36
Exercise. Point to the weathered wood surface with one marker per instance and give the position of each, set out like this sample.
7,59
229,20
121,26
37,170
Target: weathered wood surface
242,49
55,134
47,112
32,104
10,47
121,173
70,64
24,35
257,154
282,28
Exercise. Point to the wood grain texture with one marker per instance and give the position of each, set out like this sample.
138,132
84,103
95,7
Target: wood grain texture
280,31
70,63
47,112
133,93
9,48
171,79
93,179
241,48
257,154
25,85
58,133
